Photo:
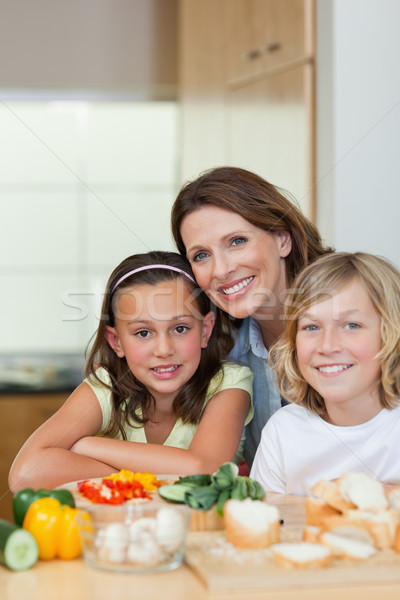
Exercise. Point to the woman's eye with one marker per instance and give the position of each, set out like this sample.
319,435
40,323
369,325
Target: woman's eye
238,241
352,326
199,256
309,328
181,329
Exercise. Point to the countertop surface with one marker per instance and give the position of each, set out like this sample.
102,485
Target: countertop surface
74,580
40,372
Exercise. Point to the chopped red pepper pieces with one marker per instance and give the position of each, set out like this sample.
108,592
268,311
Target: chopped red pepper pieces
108,491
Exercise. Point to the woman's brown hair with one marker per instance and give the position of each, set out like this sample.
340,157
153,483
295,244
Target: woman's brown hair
129,395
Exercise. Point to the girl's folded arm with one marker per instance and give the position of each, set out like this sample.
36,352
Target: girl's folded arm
216,441
45,460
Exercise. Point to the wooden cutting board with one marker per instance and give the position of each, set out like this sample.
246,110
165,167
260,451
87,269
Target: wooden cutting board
223,568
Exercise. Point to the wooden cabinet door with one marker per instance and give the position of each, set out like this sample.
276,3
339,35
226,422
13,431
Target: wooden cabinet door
201,85
20,415
263,34
271,132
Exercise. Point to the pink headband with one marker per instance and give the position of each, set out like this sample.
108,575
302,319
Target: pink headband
148,267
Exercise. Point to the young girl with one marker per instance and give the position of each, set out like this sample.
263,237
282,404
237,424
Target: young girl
338,362
162,400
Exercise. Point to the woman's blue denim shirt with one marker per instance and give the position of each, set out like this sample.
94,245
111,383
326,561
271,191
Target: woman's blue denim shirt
249,350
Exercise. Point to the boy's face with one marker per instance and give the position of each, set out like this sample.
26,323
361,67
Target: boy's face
337,342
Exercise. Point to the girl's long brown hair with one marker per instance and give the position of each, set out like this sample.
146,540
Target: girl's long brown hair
129,395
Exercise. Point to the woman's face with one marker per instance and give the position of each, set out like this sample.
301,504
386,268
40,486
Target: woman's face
240,266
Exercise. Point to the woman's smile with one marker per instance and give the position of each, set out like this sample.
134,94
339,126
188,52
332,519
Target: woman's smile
237,286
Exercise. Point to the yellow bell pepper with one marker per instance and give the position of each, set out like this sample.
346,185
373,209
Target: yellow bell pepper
55,529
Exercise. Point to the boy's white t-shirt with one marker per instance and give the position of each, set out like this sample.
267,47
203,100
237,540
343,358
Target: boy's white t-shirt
298,448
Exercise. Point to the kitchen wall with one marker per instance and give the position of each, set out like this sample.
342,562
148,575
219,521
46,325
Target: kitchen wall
82,186
89,158
358,124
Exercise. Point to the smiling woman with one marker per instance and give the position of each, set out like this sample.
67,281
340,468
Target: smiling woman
246,242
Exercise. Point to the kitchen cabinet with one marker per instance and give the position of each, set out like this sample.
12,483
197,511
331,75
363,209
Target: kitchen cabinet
20,415
271,131
262,34
201,85
247,90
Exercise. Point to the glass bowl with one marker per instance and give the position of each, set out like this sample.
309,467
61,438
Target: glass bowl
138,538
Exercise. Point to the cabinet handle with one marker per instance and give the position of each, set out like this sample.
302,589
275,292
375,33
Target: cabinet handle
251,55
268,48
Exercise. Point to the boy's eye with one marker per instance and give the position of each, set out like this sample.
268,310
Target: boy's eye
181,329
199,256
238,241
352,326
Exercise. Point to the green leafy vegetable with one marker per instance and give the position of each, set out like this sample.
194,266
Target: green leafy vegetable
201,498
224,478
222,498
201,492
194,480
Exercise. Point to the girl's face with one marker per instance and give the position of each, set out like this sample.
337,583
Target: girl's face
240,267
337,341
160,332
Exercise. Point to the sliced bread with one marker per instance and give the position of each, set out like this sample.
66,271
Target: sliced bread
363,491
251,523
347,547
302,554
329,492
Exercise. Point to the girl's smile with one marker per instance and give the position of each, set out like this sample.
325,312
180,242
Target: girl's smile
337,344
239,266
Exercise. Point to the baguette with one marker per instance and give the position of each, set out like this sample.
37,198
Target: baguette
329,492
397,539
317,511
394,498
363,491
302,554
380,525
347,547
311,534
251,523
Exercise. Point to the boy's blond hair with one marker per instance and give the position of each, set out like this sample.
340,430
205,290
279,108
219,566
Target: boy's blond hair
321,280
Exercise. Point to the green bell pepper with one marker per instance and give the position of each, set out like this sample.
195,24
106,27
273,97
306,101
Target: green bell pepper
25,497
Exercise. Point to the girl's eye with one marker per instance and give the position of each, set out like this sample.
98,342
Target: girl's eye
200,256
238,241
310,328
181,329
143,333
352,326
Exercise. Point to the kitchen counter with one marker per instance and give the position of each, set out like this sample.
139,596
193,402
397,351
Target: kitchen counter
73,580
20,415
